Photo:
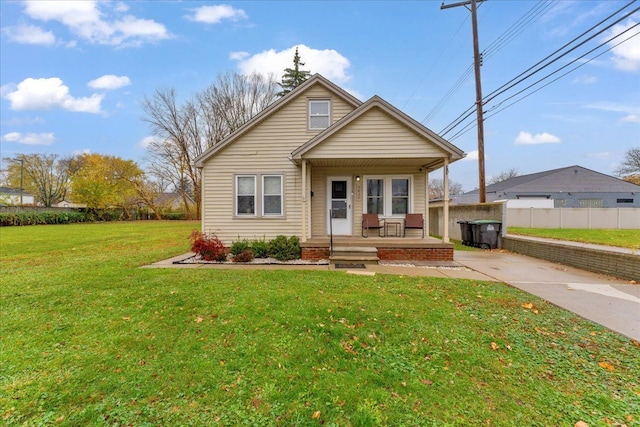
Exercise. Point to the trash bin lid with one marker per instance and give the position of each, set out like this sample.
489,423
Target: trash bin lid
486,221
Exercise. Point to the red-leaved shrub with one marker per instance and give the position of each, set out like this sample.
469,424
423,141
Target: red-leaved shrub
208,246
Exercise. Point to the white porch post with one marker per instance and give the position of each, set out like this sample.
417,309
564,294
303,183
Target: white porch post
426,202
304,201
445,231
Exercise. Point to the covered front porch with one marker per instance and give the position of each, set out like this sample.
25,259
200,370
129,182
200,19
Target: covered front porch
374,163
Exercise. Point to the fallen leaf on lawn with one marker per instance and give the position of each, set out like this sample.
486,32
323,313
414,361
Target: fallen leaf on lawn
199,319
581,424
60,419
607,366
222,363
394,394
535,311
494,346
316,415
527,305
426,382
126,318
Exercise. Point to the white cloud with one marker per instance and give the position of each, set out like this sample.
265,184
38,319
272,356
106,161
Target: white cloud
238,56
626,56
87,20
327,62
109,82
631,113
525,138
472,155
216,13
600,155
44,94
30,138
29,34
147,141
585,80
81,152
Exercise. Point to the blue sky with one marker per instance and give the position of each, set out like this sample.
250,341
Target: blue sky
73,73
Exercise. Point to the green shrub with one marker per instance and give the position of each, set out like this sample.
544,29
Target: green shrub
41,218
239,246
173,216
260,248
285,249
208,246
244,256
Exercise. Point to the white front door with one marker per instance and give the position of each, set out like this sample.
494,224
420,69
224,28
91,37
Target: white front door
339,218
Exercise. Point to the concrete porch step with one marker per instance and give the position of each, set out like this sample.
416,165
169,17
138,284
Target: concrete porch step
354,255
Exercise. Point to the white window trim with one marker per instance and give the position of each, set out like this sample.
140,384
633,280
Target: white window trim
263,194
387,194
258,178
328,115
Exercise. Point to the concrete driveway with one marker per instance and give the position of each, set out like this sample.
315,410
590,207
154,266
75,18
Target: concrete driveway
608,301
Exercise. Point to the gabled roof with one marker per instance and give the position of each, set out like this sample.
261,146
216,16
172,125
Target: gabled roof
13,191
572,178
376,102
277,105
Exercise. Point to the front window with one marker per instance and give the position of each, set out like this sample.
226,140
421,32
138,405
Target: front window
319,114
272,195
399,196
245,195
388,196
375,196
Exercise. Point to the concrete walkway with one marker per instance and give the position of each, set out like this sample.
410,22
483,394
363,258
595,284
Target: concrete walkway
610,302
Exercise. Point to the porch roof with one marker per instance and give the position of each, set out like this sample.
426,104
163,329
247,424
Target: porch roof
377,134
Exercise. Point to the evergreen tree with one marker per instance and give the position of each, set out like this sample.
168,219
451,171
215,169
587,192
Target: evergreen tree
293,77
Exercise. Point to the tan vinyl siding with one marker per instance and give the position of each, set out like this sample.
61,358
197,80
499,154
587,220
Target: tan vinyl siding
265,148
375,135
319,186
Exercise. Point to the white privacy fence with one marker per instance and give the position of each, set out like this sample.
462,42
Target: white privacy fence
574,217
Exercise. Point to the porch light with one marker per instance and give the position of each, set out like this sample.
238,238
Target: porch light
357,178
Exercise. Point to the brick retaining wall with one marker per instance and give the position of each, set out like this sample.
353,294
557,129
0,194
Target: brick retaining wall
617,264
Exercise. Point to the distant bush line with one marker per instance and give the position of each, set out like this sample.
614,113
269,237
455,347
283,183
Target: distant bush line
68,217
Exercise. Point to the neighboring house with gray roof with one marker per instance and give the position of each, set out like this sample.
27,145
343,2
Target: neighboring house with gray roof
569,187
13,196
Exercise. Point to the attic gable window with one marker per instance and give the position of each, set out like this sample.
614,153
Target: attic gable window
319,113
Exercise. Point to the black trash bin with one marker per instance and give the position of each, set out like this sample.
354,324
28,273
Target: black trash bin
486,233
466,232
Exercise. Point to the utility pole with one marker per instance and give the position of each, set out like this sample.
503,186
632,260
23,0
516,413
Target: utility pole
21,178
477,61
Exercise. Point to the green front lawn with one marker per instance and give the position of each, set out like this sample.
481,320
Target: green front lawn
88,338
610,237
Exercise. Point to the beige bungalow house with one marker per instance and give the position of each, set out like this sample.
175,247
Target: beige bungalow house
314,163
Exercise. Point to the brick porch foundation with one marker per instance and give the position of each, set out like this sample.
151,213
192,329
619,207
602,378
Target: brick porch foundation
390,253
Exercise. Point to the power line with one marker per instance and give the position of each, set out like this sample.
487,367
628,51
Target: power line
469,125
535,13
507,86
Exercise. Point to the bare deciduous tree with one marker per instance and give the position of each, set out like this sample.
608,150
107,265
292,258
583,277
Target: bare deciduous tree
436,188
503,176
183,132
629,169
43,175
